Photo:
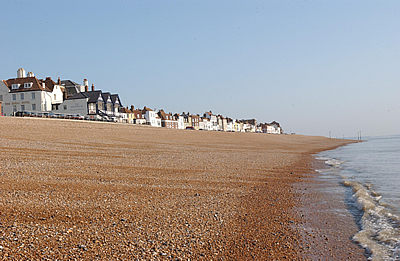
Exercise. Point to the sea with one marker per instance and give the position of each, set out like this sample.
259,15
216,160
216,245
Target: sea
369,176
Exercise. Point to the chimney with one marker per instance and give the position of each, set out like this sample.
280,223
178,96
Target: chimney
86,85
59,81
132,108
92,87
85,82
21,73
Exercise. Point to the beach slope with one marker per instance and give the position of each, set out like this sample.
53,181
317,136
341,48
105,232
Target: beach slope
88,190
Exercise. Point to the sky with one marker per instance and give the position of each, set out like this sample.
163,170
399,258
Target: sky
317,67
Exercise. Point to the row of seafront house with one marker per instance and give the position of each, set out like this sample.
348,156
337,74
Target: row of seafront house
28,95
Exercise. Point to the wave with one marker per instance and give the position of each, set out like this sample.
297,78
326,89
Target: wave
380,227
331,162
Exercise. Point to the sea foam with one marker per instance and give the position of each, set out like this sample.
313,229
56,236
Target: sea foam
380,227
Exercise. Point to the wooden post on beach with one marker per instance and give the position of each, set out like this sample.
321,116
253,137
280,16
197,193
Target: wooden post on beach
359,135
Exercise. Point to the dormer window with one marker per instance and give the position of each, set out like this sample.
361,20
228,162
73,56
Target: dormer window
28,85
15,86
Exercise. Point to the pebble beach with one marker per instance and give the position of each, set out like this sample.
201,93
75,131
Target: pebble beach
104,191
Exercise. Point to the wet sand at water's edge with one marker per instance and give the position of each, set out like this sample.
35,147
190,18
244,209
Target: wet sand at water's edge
88,190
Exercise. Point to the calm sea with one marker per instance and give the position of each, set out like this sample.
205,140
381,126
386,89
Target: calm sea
370,175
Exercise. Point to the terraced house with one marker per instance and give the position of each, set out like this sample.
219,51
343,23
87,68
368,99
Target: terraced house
168,120
27,95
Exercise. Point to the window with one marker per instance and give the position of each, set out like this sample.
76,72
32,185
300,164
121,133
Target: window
14,108
33,107
28,84
22,107
55,97
33,95
65,107
22,96
15,86
14,97
1,97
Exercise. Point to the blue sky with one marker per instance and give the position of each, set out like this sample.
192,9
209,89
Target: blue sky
314,66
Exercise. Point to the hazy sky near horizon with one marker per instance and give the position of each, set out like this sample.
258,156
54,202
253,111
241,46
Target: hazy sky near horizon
314,66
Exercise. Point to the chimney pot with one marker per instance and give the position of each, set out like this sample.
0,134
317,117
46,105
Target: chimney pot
59,81
92,87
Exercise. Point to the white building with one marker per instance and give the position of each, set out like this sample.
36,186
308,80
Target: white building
181,121
274,128
271,128
27,93
230,124
74,105
138,117
151,117
213,120
202,124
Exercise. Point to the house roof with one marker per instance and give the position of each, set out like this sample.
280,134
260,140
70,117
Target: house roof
69,83
162,114
37,85
177,115
137,114
105,96
251,121
146,109
114,98
93,96
71,90
166,116
71,87
78,95
49,83
125,110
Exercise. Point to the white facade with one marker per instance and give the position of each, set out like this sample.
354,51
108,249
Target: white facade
109,110
57,95
273,129
181,122
29,94
207,124
32,101
152,118
73,107
120,117
140,121
213,121
202,125
229,126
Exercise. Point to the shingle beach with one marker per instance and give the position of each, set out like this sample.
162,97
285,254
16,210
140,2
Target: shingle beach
105,191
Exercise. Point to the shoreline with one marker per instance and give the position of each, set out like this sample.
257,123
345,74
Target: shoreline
101,191
328,226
